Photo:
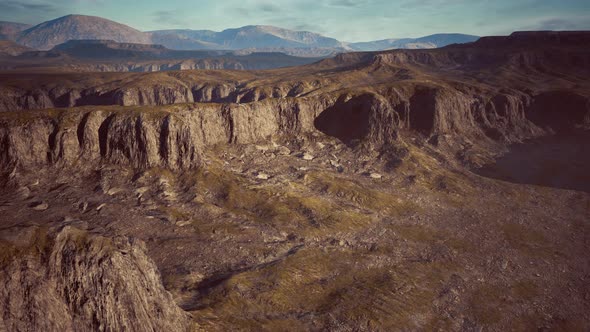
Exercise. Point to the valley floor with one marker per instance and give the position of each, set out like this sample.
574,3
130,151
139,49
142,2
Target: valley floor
269,238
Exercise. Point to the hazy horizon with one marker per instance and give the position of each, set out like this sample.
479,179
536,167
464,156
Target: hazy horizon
344,20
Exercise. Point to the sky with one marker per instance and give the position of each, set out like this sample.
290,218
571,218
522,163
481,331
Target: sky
346,20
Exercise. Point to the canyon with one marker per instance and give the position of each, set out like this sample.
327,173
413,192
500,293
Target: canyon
357,192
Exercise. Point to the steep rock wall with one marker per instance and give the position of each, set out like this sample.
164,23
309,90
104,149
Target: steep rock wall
75,281
172,137
175,136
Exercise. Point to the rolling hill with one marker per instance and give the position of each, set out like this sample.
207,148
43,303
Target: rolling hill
248,39
432,41
9,30
51,33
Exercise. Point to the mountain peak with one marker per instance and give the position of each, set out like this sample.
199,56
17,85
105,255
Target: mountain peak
8,30
48,34
71,27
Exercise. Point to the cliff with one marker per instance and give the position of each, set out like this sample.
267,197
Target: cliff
322,197
174,136
170,137
463,95
72,280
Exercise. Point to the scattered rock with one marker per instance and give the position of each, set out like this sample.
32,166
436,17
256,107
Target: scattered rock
262,176
114,191
23,192
83,206
335,164
262,148
307,156
182,223
140,191
283,151
39,206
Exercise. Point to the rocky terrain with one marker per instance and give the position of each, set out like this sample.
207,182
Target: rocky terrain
72,280
357,193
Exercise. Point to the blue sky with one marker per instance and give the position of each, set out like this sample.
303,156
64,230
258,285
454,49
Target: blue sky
346,20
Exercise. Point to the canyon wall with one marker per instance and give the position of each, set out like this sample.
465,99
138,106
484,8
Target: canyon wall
174,136
71,280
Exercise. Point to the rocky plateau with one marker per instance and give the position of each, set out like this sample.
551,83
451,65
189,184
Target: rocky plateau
355,193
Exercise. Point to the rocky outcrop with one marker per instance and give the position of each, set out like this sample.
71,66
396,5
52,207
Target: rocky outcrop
134,139
166,91
172,137
72,280
246,62
531,51
436,111
462,93
175,136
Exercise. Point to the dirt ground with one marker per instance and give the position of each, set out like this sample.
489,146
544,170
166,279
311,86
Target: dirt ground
315,235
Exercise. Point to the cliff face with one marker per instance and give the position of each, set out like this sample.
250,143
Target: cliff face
171,137
247,62
174,136
147,91
352,164
469,93
71,280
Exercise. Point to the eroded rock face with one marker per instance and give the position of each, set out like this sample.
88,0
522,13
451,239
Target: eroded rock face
75,281
469,93
171,137
174,137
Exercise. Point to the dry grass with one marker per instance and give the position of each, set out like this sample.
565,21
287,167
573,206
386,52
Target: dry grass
335,281
38,245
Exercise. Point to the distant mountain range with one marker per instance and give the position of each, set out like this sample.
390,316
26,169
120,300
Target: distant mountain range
253,38
108,55
432,41
10,30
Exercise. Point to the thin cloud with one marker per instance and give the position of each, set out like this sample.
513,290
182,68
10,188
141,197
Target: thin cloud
168,17
269,8
9,5
561,23
347,3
